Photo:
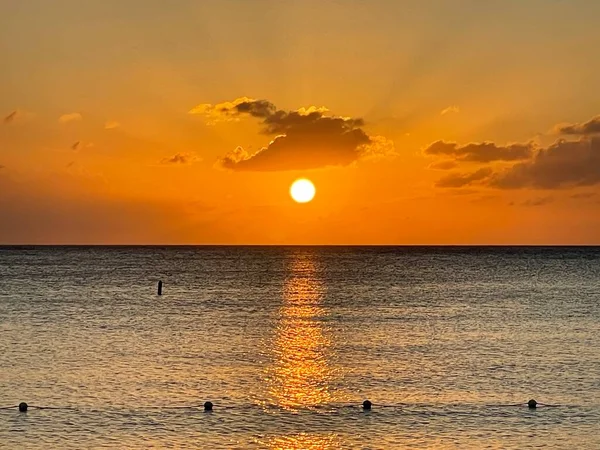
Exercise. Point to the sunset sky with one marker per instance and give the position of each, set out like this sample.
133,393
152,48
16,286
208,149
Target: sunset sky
185,122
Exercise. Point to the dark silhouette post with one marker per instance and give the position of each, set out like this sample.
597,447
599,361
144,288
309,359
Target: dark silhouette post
208,406
23,407
160,288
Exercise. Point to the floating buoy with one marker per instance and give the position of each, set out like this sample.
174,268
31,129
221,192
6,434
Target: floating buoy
208,406
367,405
23,407
532,404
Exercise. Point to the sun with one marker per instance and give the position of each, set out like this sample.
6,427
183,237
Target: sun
302,190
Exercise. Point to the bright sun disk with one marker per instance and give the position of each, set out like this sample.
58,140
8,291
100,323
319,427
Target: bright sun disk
302,190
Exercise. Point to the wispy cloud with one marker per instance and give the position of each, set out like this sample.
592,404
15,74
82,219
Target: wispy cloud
450,110
11,117
16,116
71,117
111,124
181,159
457,180
80,145
443,165
584,195
481,151
538,201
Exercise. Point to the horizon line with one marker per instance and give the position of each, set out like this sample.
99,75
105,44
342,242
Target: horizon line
309,245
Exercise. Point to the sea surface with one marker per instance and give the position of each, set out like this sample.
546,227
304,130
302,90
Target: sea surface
447,342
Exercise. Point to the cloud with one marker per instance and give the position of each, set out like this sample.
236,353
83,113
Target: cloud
539,201
380,147
79,145
16,116
71,117
181,158
11,117
303,139
311,109
483,152
443,165
2,167
225,111
583,195
592,126
111,124
455,180
450,110
562,164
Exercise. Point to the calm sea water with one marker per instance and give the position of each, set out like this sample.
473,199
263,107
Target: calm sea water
287,342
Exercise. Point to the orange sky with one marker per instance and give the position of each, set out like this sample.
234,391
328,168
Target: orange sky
441,122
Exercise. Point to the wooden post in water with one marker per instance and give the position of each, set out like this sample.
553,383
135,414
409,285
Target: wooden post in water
160,288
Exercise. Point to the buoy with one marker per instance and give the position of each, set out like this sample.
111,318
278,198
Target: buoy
23,407
208,406
367,404
532,404
160,288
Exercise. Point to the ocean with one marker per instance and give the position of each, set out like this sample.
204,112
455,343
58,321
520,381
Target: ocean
448,343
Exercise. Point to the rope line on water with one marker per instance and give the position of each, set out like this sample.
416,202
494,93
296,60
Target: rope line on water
208,406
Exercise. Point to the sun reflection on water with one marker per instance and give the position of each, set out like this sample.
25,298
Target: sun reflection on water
301,375
305,441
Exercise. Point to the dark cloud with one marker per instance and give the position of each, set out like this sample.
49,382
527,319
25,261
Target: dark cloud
539,201
562,164
80,145
18,116
443,165
592,126
455,180
256,108
583,195
11,117
180,158
481,152
304,139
